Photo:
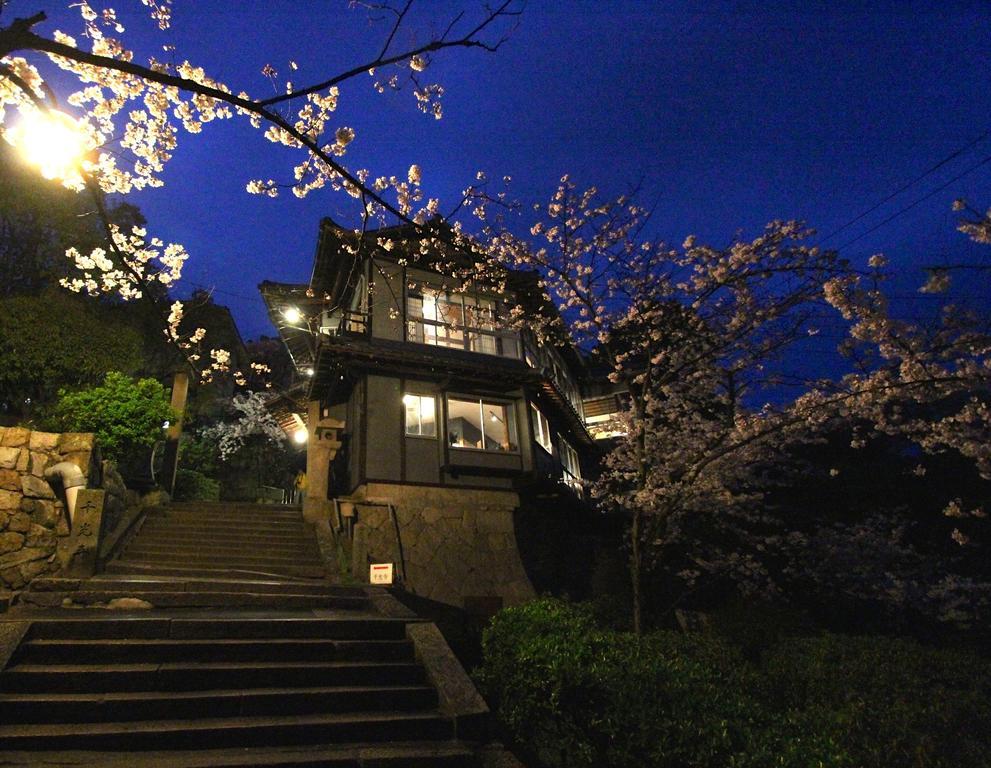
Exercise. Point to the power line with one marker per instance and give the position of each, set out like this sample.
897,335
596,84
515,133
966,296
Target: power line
910,206
952,156
214,289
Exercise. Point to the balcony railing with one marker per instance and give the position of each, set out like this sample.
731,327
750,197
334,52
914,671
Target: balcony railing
348,322
471,339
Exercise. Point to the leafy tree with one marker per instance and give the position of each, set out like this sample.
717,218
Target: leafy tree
39,220
56,341
125,414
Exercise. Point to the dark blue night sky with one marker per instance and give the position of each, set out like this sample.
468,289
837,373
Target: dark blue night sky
728,114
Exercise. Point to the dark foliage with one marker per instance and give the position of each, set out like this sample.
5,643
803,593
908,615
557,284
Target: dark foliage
572,694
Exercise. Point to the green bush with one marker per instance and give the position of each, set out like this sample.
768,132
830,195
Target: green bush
574,695
571,694
191,485
886,701
125,414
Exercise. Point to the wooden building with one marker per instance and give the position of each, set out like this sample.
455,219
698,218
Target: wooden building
427,419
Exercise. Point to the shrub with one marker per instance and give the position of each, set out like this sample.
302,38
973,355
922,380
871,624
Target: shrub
575,695
887,701
191,485
572,694
125,414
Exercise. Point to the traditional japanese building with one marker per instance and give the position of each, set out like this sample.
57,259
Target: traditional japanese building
427,421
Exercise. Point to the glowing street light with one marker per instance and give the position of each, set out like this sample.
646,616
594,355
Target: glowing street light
50,140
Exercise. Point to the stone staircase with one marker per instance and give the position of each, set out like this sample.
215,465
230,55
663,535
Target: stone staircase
239,658
196,539
205,691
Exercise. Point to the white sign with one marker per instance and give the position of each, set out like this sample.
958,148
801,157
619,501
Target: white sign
380,573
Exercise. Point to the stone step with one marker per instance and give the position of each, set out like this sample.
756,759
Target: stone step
169,535
229,732
158,599
245,506
227,514
147,650
293,518
156,705
210,559
196,543
204,676
224,543
222,538
141,569
232,522
160,530
216,528
424,754
293,528
218,566
344,627
227,550
174,584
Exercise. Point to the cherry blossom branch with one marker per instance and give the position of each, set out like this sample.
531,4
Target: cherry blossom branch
19,37
383,61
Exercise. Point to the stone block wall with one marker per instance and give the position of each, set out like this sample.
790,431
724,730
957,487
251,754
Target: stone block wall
456,543
32,517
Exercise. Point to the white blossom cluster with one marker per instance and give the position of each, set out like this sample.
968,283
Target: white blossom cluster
133,261
252,419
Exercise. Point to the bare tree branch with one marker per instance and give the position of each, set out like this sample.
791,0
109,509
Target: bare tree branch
467,41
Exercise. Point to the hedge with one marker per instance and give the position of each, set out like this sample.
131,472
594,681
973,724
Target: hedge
191,485
572,694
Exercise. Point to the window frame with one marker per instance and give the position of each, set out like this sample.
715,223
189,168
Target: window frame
441,330
542,430
512,427
571,476
419,397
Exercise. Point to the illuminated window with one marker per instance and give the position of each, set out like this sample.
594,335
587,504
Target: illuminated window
541,430
448,319
421,415
571,470
481,425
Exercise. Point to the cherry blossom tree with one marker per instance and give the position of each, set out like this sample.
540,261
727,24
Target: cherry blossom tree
247,438
687,331
129,112
694,333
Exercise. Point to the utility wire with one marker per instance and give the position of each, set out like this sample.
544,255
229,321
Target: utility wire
952,156
213,289
910,206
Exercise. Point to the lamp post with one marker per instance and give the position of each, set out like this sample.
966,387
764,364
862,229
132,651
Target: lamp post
51,141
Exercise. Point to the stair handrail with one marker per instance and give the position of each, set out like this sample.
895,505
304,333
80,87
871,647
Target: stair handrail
399,540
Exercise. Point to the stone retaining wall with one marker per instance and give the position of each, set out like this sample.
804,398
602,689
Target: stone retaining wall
456,543
32,517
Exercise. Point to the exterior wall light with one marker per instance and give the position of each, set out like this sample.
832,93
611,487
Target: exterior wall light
300,436
292,315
